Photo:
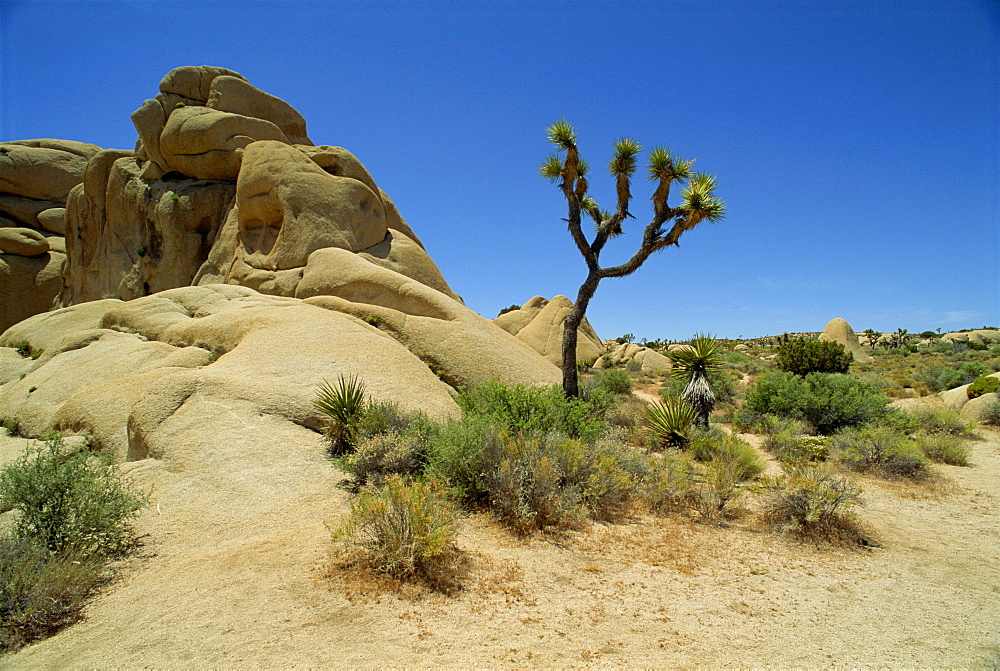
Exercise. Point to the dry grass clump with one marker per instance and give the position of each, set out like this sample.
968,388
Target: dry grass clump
880,450
405,529
814,502
944,448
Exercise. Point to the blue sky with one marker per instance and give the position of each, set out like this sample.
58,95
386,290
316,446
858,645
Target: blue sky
856,142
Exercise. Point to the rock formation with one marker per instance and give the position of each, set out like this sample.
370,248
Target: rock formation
839,331
648,360
225,265
539,323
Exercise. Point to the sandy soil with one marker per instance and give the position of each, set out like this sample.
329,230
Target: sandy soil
242,578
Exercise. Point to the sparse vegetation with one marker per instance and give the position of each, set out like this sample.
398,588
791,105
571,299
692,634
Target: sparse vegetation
815,502
990,414
880,450
944,448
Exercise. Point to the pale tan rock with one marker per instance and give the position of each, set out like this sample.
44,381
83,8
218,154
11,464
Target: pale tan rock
954,399
514,321
401,254
339,162
28,284
53,219
25,211
236,95
544,333
203,143
112,256
973,408
22,242
651,361
149,120
839,331
43,169
194,82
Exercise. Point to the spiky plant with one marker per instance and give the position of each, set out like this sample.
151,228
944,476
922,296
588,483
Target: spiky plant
569,171
669,421
343,404
694,364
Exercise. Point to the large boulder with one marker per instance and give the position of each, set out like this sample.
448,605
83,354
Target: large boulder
539,324
839,331
43,169
236,95
29,284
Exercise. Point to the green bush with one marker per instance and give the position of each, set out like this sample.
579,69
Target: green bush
405,529
381,417
386,454
801,356
990,414
941,378
983,385
40,592
827,401
69,499
814,501
939,420
522,409
943,448
881,450
729,463
11,425
613,380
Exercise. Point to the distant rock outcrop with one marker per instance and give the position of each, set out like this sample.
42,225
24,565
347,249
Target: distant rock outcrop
648,360
839,331
539,323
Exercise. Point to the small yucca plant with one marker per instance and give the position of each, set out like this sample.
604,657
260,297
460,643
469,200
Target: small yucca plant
343,404
669,421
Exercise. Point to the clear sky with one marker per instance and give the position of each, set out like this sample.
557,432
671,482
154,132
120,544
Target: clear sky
856,142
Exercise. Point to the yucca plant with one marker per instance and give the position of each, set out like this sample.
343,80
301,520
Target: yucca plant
567,169
344,405
669,421
694,363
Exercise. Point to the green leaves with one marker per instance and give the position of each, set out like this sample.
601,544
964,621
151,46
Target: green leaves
551,168
699,202
704,355
561,134
664,165
623,162
669,421
343,404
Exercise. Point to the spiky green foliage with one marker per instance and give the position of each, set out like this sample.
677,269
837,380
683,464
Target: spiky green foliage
694,364
699,202
561,134
343,404
551,167
669,422
623,162
662,164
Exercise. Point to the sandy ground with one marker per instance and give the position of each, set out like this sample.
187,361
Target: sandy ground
236,572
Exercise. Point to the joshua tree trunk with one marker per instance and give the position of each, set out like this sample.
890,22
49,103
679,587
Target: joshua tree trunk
571,330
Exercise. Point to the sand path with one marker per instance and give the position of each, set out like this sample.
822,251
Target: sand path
237,576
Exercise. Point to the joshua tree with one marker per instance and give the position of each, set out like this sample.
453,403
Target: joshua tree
698,204
694,364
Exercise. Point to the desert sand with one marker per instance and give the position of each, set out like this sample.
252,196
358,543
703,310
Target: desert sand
236,573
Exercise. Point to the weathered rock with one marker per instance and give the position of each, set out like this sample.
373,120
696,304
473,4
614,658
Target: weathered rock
194,82
651,361
839,331
205,144
22,241
28,285
236,95
43,169
24,210
53,219
539,323
973,408
149,121
127,238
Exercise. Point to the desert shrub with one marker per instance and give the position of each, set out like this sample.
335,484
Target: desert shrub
509,308
405,529
633,366
40,591
990,414
790,445
11,425
983,385
801,356
343,405
669,422
940,378
729,463
459,454
939,420
748,421
880,450
944,448
386,454
69,499
827,401
381,417
901,420
537,409
670,483
815,502
615,381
